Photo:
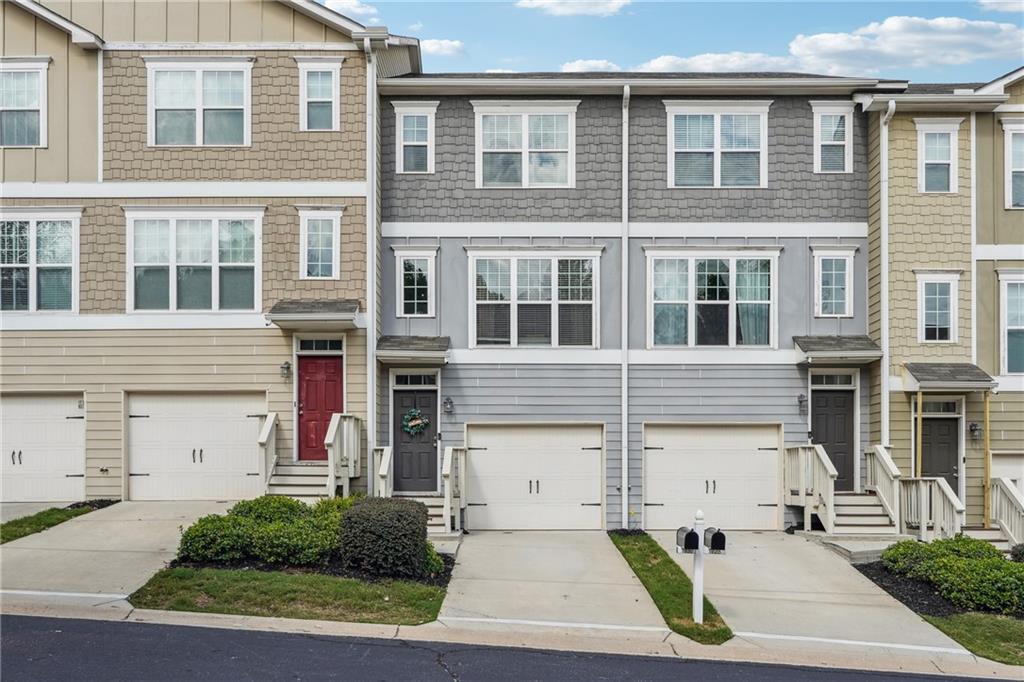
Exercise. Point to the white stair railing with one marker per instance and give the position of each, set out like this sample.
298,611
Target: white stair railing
929,507
809,481
384,469
1008,509
343,442
451,464
883,478
267,443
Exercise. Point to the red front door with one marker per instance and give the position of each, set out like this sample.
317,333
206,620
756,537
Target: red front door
319,397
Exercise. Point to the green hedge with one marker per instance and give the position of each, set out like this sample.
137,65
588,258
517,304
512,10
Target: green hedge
386,537
970,573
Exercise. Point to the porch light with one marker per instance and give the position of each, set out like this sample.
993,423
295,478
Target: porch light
976,430
447,405
801,400
286,369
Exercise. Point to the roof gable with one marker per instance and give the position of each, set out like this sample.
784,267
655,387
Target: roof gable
999,85
79,35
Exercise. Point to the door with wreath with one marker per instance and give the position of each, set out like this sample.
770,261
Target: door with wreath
415,441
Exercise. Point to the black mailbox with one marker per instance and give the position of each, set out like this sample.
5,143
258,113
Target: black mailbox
688,540
714,540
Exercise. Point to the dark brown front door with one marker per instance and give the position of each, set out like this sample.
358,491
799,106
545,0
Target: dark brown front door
940,450
415,455
832,427
320,396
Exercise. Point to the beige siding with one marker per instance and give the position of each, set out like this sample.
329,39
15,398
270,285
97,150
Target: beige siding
105,365
71,151
996,223
279,151
989,305
1016,92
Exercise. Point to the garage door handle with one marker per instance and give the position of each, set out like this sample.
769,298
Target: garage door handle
590,504
12,457
200,455
138,474
705,486
74,475
538,486
531,486
19,456
654,504
476,504
714,487
193,455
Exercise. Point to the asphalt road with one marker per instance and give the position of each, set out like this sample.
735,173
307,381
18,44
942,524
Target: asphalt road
61,649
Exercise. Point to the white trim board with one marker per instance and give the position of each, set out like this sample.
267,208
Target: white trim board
639,230
999,252
200,47
145,190
165,320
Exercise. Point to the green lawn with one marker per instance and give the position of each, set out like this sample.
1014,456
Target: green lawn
27,525
290,595
670,589
999,638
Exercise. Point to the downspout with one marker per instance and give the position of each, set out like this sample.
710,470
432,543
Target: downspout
624,313
371,261
884,225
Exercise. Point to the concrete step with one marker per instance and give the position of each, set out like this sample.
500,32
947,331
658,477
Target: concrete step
298,490
298,480
301,469
865,519
865,530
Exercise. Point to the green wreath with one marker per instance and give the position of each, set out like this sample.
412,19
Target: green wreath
415,422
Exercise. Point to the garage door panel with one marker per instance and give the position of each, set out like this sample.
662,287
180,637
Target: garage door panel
42,443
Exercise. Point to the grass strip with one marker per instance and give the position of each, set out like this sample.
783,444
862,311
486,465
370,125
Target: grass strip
999,638
670,589
28,525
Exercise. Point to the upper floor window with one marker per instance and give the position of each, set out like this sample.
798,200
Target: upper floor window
38,261
415,281
717,144
833,136
534,301
937,154
319,244
23,102
414,136
937,307
710,300
1012,314
194,260
833,276
319,93
199,103
525,144
1013,154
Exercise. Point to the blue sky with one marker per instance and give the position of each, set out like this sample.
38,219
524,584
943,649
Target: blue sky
924,41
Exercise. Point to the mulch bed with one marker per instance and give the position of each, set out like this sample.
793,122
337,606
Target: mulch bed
92,504
917,595
333,568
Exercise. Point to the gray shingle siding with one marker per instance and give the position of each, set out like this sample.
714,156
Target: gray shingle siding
794,192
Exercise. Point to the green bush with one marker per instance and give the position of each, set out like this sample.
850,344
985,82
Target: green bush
903,557
1017,553
217,538
433,564
270,508
306,541
907,557
336,505
385,537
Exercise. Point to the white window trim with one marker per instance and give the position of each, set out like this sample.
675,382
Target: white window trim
728,255
833,108
332,65
206,213
1005,278
1011,127
154,64
403,253
953,279
42,67
319,214
939,125
716,108
594,255
846,254
525,108
403,109
33,216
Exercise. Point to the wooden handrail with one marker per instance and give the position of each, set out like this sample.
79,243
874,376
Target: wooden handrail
384,472
1008,509
267,443
883,477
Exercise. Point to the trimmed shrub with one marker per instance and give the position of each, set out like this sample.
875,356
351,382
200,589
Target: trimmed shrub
1017,553
270,508
965,547
385,537
908,556
433,564
992,584
306,541
336,505
904,556
216,538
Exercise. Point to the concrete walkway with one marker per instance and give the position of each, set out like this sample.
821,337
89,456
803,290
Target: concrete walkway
779,590
16,510
109,552
553,579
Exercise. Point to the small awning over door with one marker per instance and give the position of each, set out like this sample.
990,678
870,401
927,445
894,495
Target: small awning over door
836,350
946,376
418,350
333,314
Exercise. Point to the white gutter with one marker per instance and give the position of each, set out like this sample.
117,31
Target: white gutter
99,115
884,226
974,239
371,256
624,312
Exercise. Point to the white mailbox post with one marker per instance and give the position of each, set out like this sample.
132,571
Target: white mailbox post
695,541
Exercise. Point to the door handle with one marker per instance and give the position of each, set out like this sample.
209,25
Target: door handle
193,455
200,455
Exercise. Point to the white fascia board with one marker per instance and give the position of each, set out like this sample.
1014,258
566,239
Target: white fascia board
500,229
534,356
920,103
493,106
212,46
41,212
406,106
999,252
728,106
316,10
148,190
167,320
567,250
639,230
645,86
683,249
715,356
780,230
79,35
998,86
1010,382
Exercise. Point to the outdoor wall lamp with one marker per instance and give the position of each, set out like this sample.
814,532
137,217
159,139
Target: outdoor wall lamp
801,400
975,429
286,369
447,405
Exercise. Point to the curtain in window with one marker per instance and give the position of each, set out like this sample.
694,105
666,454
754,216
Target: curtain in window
54,259
753,293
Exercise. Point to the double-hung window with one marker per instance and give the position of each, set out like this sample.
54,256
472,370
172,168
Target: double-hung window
937,307
542,300
414,136
415,281
319,244
833,136
319,93
194,261
1012,321
525,144
38,261
937,154
710,299
23,102
717,144
1013,155
833,277
199,103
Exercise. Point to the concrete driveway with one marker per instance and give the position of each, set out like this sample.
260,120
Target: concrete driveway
783,590
110,552
547,579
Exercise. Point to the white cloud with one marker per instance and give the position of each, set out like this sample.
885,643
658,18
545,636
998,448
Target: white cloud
442,47
352,8
501,71
590,65
1002,5
567,8
416,27
895,43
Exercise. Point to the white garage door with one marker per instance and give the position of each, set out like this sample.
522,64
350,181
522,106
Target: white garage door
534,477
194,446
43,447
731,473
